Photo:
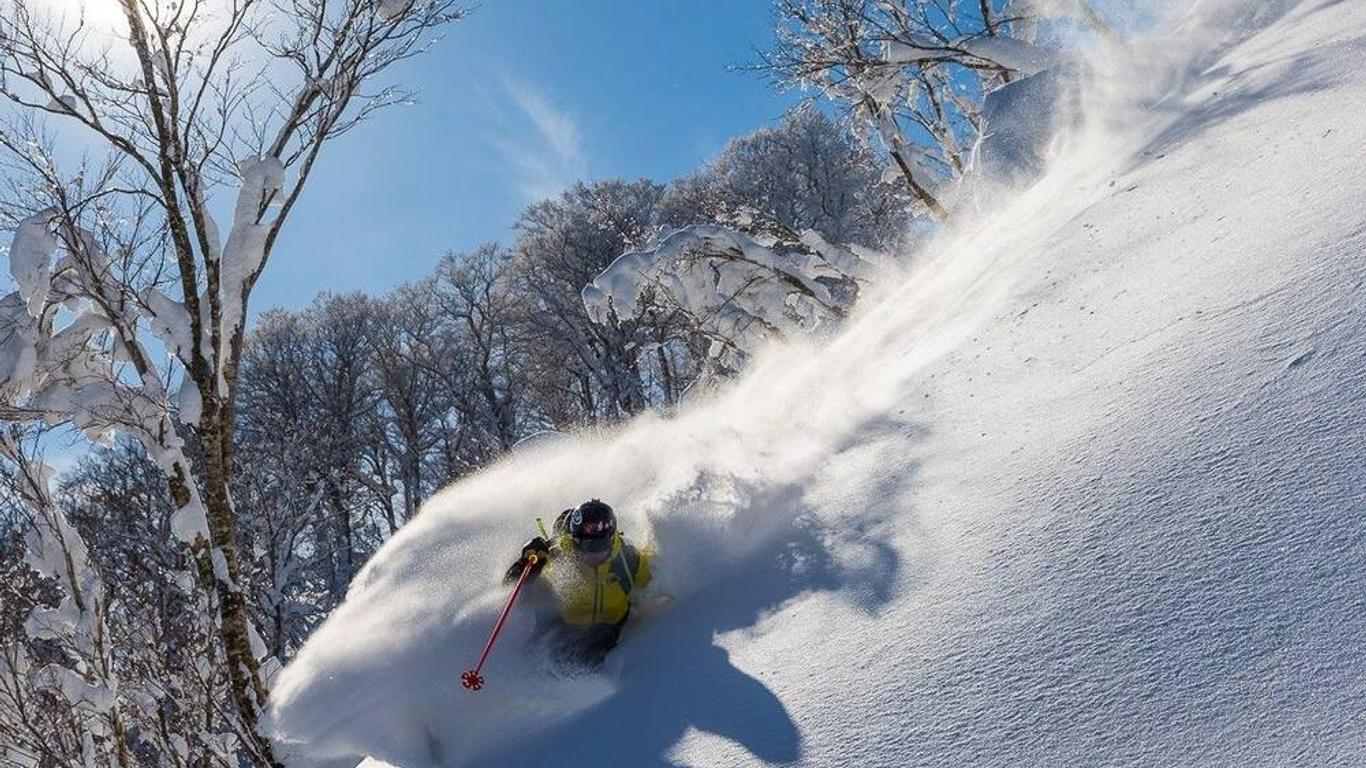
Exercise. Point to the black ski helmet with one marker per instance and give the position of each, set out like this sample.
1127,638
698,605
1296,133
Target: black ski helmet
592,525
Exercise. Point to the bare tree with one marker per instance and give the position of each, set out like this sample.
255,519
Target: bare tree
564,244
306,397
912,73
174,693
804,173
189,101
475,294
413,365
77,628
113,662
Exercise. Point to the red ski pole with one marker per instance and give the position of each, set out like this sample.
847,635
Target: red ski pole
472,679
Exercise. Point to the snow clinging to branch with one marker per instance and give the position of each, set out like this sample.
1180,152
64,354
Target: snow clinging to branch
737,292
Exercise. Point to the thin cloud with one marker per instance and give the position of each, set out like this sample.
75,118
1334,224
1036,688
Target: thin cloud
549,156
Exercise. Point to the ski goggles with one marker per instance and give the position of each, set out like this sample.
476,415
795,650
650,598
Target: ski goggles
595,545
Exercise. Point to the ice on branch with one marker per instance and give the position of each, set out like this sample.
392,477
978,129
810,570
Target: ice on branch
30,258
66,103
1018,55
263,179
737,292
392,10
189,403
170,323
84,697
65,368
77,626
1010,53
18,346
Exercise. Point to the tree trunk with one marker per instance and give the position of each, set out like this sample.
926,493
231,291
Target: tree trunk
341,517
244,670
666,373
412,481
936,208
590,407
988,19
501,412
323,531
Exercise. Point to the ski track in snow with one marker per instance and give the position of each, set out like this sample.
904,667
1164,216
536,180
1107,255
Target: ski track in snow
1084,487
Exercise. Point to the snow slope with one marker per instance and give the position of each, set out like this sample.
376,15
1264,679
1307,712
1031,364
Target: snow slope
1084,488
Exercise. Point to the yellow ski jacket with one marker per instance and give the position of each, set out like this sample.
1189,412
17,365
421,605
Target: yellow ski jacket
589,595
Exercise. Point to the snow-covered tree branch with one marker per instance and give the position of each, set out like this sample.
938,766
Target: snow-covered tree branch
123,267
108,657
912,74
77,626
736,292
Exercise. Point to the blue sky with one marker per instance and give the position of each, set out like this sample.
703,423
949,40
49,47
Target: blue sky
518,100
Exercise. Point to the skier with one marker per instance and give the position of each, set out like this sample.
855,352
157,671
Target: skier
589,572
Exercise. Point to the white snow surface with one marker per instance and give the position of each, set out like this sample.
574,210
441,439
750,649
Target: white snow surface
1084,487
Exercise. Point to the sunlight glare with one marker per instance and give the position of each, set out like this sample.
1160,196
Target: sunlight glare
100,16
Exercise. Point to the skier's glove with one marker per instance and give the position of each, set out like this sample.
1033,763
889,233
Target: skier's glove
537,546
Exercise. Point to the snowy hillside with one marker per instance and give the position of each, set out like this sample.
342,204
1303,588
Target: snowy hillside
1084,487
